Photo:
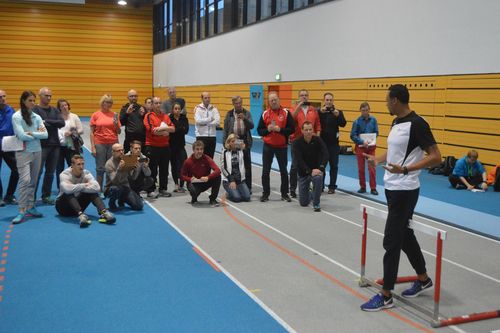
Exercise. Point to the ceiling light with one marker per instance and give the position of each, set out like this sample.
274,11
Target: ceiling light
122,3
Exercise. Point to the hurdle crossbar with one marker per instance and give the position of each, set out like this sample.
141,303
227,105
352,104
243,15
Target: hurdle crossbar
436,320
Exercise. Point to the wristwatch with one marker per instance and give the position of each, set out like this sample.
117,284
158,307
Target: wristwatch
405,170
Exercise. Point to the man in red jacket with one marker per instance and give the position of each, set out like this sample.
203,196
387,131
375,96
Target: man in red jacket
201,173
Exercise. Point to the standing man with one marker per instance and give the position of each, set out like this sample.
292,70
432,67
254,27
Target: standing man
158,128
311,157
117,183
303,112
166,106
6,129
201,173
206,117
331,119
239,121
365,124
275,125
78,189
132,117
409,138
53,121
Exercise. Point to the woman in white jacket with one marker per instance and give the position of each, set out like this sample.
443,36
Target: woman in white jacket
233,170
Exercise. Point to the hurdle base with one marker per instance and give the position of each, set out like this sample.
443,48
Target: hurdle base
401,279
467,318
401,299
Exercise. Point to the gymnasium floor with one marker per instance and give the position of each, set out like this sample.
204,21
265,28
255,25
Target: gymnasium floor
249,267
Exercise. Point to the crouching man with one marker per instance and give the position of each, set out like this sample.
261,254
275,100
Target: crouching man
78,189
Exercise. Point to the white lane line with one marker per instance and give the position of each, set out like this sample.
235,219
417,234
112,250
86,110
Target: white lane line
471,270
229,275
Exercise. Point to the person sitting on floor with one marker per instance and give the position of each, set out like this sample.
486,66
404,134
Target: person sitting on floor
469,173
201,173
233,170
118,186
140,179
77,190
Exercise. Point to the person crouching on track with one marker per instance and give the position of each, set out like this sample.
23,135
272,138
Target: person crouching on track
233,170
77,190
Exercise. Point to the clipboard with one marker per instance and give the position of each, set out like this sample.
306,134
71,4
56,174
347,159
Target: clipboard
130,161
371,138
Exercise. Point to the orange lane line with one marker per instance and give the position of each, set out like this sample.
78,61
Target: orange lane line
214,266
2,277
1,298
5,248
1,288
4,255
7,236
2,269
6,241
3,262
319,271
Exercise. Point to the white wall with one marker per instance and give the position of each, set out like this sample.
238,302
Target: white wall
346,39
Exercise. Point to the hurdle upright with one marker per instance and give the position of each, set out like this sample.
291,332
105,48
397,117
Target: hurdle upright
435,319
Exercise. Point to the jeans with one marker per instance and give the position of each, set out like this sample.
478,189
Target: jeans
305,196
247,158
10,159
241,193
103,153
69,205
333,160
268,153
125,195
397,235
50,156
28,166
293,173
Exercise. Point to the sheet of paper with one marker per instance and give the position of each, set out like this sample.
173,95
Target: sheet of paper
371,138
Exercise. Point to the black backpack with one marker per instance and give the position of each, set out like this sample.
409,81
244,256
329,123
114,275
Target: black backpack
449,165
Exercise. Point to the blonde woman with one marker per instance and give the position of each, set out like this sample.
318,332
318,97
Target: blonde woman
104,130
233,170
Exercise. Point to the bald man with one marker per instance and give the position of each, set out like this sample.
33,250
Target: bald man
166,106
132,117
207,119
53,121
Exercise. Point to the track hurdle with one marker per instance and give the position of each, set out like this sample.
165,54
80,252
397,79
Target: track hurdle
435,319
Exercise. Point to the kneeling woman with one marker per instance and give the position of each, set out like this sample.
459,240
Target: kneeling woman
233,171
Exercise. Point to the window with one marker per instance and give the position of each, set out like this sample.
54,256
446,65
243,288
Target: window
281,6
265,9
251,11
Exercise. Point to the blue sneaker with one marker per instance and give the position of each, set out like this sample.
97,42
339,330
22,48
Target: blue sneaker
18,219
377,303
416,288
33,212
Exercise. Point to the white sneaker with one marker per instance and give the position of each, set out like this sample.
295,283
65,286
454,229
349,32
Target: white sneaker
153,195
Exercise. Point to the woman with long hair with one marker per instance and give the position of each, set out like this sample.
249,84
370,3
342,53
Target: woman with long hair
29,128
233,170
177,142
68,134
104,130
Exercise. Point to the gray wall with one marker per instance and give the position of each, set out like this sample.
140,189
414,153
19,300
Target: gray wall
346,39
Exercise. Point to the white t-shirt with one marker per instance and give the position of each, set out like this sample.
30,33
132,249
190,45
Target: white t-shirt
407,140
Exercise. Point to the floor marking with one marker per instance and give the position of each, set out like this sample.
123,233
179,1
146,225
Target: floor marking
471,270
204,257
229,275
319,271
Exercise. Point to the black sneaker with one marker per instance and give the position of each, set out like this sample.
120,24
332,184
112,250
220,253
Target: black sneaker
286,197
264,198
10,200
214,203
112,206
331,191
362,190
2,203
164,193
194,200
293,194
374,192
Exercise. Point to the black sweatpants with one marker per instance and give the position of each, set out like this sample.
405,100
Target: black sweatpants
69,205
196,188
397,235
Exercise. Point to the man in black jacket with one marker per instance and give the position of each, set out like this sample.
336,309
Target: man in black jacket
311,156
53,121
331,119
132,117
239,121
